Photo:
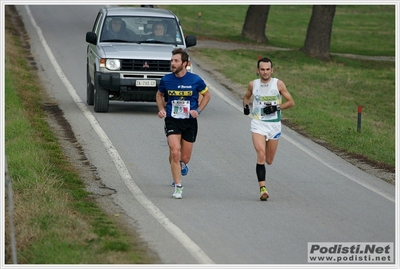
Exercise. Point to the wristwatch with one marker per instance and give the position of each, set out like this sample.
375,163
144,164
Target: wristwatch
198,111
278,107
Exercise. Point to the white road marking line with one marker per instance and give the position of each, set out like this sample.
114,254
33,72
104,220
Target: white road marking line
174,230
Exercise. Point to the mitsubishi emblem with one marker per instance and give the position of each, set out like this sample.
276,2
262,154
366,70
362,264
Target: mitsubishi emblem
146,65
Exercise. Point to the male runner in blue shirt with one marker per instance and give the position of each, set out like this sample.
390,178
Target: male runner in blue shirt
181,90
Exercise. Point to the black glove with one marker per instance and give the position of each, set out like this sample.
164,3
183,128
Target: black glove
246,110
269,109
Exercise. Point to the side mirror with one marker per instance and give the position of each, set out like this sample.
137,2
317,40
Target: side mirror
91,38
190,41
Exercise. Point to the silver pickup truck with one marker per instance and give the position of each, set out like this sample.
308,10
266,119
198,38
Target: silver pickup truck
129,52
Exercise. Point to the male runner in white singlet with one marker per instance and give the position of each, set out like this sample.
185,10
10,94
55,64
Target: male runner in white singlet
267,108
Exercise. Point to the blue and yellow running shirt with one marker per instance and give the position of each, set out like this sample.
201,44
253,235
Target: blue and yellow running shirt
266,93
183,93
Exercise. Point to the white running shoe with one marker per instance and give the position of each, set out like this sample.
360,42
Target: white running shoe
178,192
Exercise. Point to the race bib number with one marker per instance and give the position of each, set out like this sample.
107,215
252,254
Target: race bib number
262,115
180,109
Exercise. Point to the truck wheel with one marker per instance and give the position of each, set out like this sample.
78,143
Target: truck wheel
89,89
101,101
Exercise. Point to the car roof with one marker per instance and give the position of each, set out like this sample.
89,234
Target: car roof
139,11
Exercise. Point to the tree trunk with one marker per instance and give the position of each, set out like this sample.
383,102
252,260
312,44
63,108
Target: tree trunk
255,22
318,39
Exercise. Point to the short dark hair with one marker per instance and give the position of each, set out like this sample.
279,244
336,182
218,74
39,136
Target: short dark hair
183,53
264,60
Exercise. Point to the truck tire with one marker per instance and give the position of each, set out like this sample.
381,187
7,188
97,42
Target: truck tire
89,89
101,99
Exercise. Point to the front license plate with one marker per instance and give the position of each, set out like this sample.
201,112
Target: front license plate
146,83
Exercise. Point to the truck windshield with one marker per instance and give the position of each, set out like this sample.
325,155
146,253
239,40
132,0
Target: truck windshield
141,30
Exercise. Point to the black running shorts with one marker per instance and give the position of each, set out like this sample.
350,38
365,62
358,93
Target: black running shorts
186,127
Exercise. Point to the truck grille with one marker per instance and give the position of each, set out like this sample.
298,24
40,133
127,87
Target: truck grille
145,65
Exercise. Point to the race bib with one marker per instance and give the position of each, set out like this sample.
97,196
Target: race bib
261,115
180,109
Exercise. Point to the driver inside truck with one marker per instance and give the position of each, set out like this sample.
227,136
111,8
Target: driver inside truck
117,30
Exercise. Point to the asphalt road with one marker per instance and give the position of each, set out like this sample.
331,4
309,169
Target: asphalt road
315,196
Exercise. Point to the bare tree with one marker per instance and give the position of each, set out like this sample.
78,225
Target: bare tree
255,22
318,39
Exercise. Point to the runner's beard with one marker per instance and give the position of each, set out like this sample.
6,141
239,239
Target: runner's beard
177,69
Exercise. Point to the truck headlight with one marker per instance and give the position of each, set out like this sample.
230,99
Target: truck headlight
189,67
113,64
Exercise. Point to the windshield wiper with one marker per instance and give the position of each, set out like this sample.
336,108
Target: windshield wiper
116,40
153,41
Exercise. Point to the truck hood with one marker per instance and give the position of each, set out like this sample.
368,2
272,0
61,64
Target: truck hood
138,51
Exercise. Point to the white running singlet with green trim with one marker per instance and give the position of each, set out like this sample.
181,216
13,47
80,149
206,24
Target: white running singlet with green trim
266,93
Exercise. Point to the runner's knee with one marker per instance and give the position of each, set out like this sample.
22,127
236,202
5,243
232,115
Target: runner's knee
268,161
185,158
175,154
